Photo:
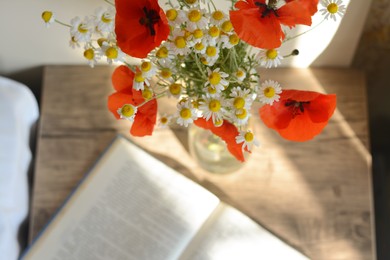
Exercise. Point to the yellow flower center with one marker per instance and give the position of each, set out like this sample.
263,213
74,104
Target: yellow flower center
162,52
241,113
138,77
239,73
197,33
227,26
271,54
214,105
211,51
194,16
190,2
218,122
215,78
164,120
172,14
233,39
204,60
73,39
105,18
82,28
269,92
333,8
249,137
211,90
147,93
175,89
239,102
127,110
180,42
112,53
199,46
100,41
185,113
46,16
214,31
146,66
89,54
217,15
166,73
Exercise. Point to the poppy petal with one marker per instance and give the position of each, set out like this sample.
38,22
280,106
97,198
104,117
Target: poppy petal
300,130
130,31
145,119
122,78
256,31
310,5
226,132
292,14
322,109
117,100
296,123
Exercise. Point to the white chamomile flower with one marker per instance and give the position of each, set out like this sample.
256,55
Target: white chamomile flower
200,47
162,54
269,58
81,30
175,90
216,79
91,55
217,17
269,92
163,121
127,112
140,80
112,53
241,98
48,17
229,41
247,139
178,43
240,75
213,34
197,35
227,27
148,69
166,73
74,43
175,17
331,8
240,116
105,19
213,107
211,55
186,113
195,18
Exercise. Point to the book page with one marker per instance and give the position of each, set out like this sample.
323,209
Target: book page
130,206
229,234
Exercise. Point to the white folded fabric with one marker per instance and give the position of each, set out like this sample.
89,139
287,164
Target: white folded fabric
18,114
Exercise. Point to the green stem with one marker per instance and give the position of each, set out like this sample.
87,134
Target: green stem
64,24
300,34
155,97
109,2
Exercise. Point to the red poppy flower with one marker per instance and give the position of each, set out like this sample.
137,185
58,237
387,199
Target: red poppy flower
227,132
299,115
145,119
140,26
259,24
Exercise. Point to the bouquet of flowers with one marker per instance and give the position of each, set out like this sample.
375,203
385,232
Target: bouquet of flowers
206,59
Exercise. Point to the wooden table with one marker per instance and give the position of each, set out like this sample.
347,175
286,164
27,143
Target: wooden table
315,195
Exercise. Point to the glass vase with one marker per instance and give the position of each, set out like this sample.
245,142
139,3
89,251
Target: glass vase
210,151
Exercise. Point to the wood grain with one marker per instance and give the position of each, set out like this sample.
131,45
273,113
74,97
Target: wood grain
315,195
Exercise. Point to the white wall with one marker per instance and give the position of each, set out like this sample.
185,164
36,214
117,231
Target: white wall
26,42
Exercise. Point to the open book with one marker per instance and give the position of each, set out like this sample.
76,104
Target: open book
132,206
